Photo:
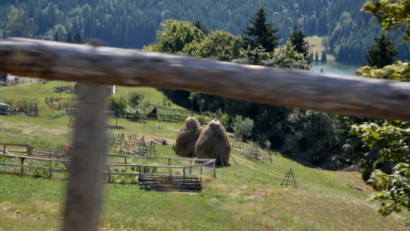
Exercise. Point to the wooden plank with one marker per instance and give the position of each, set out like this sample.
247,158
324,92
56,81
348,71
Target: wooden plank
302,89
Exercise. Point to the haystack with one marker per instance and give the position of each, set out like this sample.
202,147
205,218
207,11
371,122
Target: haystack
214,143
187,137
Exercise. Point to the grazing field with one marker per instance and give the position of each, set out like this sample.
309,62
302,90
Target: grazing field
247,196
315,44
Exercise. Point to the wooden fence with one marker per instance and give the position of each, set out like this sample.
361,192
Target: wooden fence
92,66
22,108
164,118
52,161
57,105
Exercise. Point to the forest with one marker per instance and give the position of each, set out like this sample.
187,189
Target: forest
346,30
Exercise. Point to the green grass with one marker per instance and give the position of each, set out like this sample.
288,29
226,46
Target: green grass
247,196
315,44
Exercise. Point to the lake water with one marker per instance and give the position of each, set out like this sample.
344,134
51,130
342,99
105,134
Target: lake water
334,68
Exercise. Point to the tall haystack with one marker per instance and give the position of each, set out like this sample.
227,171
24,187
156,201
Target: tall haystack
214,143
187,137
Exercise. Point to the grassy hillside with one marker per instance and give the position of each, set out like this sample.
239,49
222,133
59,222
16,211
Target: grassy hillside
247,196
315,44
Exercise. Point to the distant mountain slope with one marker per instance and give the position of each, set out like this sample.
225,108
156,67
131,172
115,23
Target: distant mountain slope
128,23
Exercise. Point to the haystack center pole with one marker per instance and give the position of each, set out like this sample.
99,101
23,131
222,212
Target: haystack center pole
113,66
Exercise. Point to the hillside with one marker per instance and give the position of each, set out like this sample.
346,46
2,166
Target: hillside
134,23
247,196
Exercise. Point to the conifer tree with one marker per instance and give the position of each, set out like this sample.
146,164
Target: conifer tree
324,57
56,37
261,33
69,38
317,57
382,53
198,24
78,38
297,38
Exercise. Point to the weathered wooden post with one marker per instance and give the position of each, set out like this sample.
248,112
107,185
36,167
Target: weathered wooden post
88,161
22,166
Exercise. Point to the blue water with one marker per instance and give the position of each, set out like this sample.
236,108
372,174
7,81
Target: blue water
334,68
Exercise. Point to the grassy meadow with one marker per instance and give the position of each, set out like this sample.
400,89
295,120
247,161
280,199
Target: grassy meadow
247,196
315,44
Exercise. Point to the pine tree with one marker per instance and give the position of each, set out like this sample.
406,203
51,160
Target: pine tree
69,38
324,57
311,57
382,53
78,38
198,24
297,38
317,57
261,33
56,37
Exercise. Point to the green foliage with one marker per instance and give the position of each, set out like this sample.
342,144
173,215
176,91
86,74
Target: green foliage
242,127
118,105
135,99
260,33
317,57
389,140
174,35
69,38
297,39
382,53
253,56
288,57
391,14
220,44
223,118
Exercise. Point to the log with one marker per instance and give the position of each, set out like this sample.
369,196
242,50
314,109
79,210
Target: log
113,66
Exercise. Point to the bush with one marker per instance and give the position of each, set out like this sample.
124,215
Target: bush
242,127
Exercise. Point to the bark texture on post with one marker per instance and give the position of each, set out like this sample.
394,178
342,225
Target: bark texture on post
88,161
113,66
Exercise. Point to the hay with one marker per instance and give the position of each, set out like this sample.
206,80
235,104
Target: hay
214,143
187,137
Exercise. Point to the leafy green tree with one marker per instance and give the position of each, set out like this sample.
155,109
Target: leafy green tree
261,33
174,35
390,140
118,105
324,57
297,38
135,99
242,127
382,53
220,44
287,57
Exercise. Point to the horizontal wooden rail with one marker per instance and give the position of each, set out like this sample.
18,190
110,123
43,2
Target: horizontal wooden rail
302,89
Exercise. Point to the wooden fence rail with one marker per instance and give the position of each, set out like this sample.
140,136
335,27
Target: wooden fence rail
93,65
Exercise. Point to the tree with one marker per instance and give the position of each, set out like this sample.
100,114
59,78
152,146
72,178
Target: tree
56,37
78,38
174,35
324,57
135,99
317,57
118,105
382,53
261,33
69,38
198,24
242,127
297,38
390,140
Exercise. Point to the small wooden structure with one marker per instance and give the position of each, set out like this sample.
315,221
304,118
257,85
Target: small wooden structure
287,179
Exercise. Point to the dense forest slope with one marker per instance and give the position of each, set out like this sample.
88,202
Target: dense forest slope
128,23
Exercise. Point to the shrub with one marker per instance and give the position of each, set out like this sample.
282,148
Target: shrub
242,127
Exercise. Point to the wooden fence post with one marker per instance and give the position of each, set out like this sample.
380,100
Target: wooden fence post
83,204
22,166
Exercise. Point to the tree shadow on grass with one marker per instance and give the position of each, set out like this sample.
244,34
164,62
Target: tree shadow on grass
115,127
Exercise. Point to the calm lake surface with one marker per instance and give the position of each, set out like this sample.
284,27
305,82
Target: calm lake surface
334,68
